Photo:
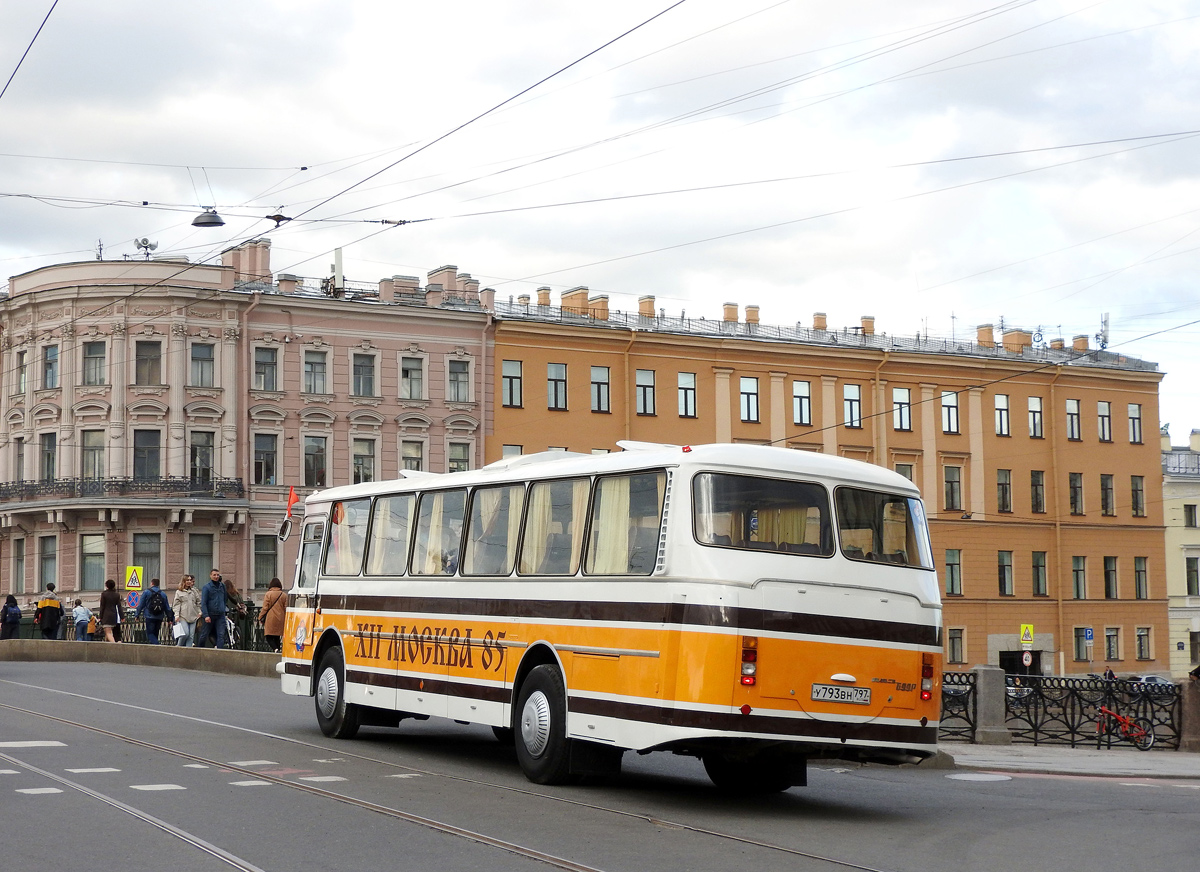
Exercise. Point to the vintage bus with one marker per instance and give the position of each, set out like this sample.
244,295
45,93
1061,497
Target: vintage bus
756,607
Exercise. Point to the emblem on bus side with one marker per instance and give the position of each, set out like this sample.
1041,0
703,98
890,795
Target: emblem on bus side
301,633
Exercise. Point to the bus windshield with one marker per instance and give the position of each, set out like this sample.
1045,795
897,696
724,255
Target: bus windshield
761,514
883,528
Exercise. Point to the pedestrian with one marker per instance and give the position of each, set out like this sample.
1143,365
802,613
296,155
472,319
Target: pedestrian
1194,674
1109,675
83,616
10,618
271,617
49,614
187,611
154,607
212,611
110,610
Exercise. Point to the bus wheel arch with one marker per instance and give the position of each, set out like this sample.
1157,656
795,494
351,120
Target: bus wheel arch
337,718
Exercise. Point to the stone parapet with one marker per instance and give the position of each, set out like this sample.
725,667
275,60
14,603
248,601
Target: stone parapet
254,663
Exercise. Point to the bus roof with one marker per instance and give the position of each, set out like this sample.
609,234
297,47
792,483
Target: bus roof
638,455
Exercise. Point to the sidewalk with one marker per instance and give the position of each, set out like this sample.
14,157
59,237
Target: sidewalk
1065,760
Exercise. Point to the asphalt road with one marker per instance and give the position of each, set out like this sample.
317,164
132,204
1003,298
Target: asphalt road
252,783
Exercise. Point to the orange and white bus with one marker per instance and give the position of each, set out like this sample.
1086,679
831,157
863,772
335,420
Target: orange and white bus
756,607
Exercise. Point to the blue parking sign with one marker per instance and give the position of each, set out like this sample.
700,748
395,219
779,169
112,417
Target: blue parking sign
1087,634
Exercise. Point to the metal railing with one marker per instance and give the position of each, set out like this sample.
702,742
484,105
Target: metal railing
958,706
248,635
221,488
1062,711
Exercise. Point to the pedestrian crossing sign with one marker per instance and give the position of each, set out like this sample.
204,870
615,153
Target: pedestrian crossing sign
1027,634
133,577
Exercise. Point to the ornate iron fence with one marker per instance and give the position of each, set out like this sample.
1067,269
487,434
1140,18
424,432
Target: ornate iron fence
79,487
248,635
958,706
1054,710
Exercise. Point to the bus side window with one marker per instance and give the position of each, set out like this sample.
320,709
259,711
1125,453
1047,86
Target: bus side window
626,518
387,550
347,537
494,526
440,516
554,524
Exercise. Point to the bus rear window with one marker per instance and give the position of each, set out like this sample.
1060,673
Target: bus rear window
761,514
883,528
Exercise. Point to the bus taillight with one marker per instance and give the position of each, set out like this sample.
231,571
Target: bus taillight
926,676
749,659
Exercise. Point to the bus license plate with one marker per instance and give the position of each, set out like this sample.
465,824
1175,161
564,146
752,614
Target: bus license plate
835,693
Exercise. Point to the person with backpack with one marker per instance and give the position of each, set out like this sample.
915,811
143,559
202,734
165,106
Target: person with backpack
10,618
83,618
154,607
49,614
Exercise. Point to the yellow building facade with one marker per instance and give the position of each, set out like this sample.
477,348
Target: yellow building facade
1040,466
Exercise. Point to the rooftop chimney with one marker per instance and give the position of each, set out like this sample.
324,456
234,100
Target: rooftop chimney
543,296
819,322
1194,440
984,336
523,300
731,312
1058,344
1015,340
410,285
646,306
446,276
387,290
598,307
575,300
287,283
868,325
752,314
1079,343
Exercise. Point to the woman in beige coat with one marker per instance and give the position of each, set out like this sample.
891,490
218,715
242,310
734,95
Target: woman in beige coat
186,606
274,610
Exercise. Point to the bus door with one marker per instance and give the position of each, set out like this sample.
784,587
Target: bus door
299,636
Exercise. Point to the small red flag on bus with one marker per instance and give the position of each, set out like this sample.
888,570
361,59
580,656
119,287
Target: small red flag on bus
292,500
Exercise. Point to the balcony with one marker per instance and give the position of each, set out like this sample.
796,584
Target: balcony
81,488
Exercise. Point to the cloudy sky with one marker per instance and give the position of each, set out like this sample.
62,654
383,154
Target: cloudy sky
935,164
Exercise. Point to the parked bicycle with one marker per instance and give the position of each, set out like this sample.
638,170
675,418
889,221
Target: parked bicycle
1139,731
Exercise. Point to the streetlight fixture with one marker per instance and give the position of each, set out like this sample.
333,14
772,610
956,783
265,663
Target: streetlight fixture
208,218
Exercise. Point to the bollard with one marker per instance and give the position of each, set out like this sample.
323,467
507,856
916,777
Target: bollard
1189,716
990,707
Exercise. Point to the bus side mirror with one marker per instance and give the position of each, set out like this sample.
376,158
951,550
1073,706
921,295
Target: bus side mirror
285,529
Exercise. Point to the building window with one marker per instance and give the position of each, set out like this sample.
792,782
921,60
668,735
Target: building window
314,372
1104,420
201,459
1004,569
364,461
1074,428
146,455
1035,418
1137,487
412,455
687,395
19,458
510,384
1108,501
1037,491
22,368
852,405
953,572
363,374
91,555
201,558
265,459
47,561
147,553
50,367
266,560
314,461
953,480
459,457
949,412
18,566
901,409
1002,424
600,386
1081,645
1135,423
955,653
49,457
458,389
1141,579
556,386
203,359
749,399
1142,637
1079,577
94,364
1112,643
91,455
265,369
644,383
905,469
412,378
1193,576
1039,573
511,450
1110,578
147,364
802,403
1075,485
1004,490
1189,515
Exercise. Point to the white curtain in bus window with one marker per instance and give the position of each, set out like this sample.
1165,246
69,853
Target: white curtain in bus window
761,514
626,517
881,528
387,552
493,530
554,527
347,537
439,531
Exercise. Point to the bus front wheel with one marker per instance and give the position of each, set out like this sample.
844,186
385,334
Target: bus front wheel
337,718
541,728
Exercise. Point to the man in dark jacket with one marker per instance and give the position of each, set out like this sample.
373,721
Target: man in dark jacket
212,611
154,606
49,613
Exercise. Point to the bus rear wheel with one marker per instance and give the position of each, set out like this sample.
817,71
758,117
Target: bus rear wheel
543,749
746,775
337,718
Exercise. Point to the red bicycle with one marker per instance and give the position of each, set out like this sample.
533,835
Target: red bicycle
1139,731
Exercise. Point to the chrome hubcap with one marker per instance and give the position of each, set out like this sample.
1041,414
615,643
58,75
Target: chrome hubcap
327,692
535,723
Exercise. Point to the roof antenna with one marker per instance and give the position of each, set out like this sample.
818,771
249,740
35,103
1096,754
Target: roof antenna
1102,336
